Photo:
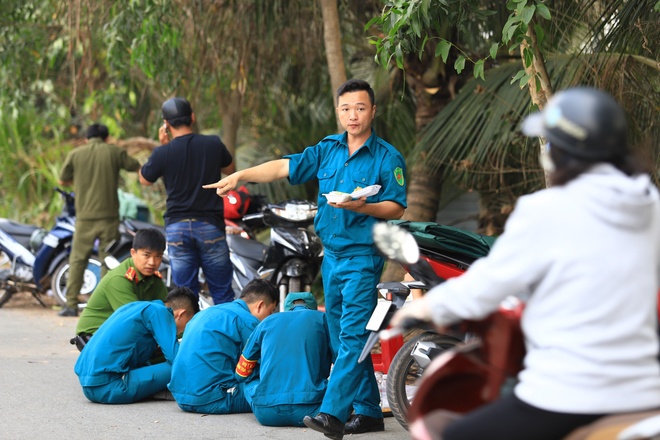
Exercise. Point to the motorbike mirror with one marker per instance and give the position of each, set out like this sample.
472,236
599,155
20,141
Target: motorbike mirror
395,243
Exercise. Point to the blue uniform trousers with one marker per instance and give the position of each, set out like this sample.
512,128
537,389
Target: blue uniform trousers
349,284
284,415
279,415
133,386
230,402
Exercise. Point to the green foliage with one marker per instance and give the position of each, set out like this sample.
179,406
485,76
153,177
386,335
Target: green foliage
476,137
28,167
409,26
141,34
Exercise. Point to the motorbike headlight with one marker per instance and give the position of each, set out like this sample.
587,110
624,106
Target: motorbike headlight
296,212
37,239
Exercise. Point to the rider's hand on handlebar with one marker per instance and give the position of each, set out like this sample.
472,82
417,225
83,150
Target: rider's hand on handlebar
417,310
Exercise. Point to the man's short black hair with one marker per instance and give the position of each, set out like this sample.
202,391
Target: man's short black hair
97,130
177,112
356,85
259,289
150,239
182,298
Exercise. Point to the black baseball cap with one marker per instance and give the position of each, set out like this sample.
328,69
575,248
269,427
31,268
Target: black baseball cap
176,108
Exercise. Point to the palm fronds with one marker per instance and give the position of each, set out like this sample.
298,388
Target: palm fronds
477,134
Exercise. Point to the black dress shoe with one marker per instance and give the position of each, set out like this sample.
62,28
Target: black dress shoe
67,311
359,424
329,425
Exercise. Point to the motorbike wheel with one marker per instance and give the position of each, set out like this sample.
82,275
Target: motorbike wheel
404,374
91,278
6,293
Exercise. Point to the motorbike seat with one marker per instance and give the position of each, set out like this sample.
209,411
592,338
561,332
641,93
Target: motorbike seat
14,228
628,426
136,225
456,242
247,248
19,231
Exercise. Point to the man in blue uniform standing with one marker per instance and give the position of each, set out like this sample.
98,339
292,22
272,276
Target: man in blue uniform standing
286,363
115,365
351,269
203,372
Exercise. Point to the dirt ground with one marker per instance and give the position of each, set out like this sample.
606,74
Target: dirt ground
25,300
35,351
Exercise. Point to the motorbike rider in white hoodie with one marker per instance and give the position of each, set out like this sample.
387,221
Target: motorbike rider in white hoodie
584,255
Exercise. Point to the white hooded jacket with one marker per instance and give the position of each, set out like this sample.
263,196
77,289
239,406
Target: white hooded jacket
585,257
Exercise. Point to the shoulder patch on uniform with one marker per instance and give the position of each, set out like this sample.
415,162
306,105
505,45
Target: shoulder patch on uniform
245,367
398,175
158,274
131,274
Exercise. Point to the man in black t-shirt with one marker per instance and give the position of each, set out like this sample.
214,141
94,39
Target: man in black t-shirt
194,221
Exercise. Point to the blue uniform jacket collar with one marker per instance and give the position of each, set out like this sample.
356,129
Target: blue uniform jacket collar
370,143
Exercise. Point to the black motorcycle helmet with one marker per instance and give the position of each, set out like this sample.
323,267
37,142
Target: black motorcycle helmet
583,122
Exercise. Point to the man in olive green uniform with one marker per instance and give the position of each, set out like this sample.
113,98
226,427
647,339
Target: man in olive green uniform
93,170
135,279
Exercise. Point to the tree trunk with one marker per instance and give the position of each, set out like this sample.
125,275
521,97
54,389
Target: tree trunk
231,105
232,108
433,89
333,53
540,88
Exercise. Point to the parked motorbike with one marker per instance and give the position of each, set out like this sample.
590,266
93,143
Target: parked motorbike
441,252
484,366
34,260
238,205
291,260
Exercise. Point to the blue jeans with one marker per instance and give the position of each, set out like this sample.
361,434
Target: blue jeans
193,244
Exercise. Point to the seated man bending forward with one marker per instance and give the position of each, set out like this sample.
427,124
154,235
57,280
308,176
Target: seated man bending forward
115,365
294,355
203,372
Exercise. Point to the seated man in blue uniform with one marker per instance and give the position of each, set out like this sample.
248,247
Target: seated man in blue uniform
203,372
115,365
287,363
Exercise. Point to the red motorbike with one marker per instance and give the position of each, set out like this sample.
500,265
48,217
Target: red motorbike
485,364
444,252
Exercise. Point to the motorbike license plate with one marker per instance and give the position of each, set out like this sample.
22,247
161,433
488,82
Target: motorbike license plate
378,316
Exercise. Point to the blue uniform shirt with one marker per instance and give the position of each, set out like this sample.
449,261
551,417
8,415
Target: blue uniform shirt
375,163
294,352
204,368
126,341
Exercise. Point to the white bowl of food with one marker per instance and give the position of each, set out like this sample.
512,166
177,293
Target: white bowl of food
337,197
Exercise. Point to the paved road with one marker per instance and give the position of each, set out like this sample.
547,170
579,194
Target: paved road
40,396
